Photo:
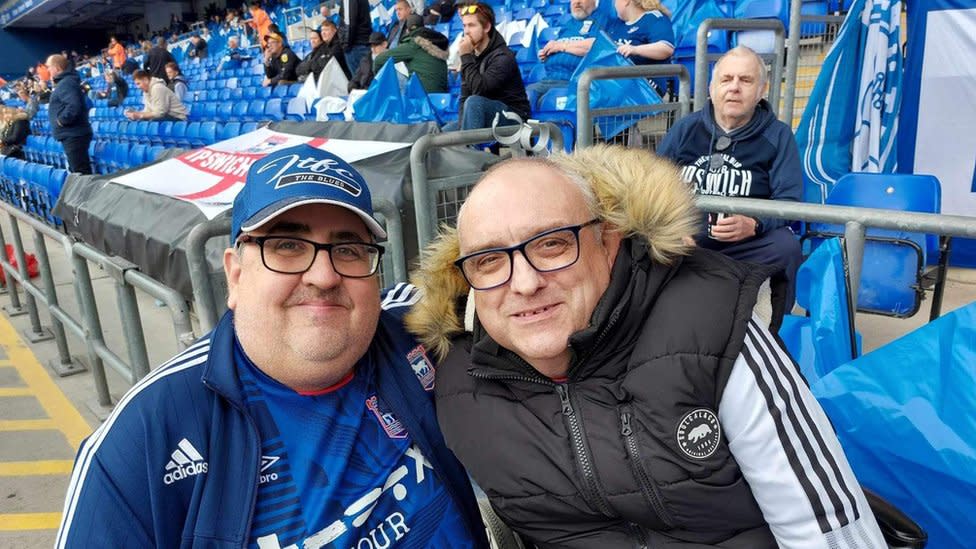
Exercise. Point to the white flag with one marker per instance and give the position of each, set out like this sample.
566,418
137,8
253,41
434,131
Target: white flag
332,81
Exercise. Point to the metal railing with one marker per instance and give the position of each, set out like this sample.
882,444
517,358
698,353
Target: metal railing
703,59
854,219
88,327
426,191
206,296
585,116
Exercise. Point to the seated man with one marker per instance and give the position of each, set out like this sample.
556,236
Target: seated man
305,419
116,89
423,51
160,102
330,38
177,82
735,146
234,55
198,48
280,62
14,129
316,60
490,77
364,74
398,29
562,56
611,387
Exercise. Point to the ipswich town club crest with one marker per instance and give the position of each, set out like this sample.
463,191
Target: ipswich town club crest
699,433
422,366
388,421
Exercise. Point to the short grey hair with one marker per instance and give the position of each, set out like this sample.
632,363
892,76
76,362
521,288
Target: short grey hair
745,51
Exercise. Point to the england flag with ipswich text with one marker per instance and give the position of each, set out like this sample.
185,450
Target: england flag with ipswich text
851,120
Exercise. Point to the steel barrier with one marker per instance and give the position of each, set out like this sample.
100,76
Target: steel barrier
855,221
703,58
205,295
426,191
88,328
585,116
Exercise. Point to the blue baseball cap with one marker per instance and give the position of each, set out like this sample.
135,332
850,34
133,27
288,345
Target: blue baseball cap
296,176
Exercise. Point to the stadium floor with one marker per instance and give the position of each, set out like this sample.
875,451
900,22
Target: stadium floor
43,417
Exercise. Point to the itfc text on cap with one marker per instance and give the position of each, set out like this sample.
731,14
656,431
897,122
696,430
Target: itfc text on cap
296,176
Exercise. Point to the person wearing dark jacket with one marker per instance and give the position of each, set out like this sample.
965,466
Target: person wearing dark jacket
423,51
116,92
198,50
14,128
490,77
68,113
156,59
280,61
316,60
735,146
608,386
357,26
364,73
330,38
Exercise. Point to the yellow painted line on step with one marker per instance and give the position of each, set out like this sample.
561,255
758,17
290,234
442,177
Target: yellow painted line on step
27,425
28,468
15,391
63,415
29,521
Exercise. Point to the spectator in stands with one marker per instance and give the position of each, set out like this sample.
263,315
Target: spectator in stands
68,114
116,52
43,74
735,146
643,34
157,56
260,21
14,129
308,400
355,15
316,60
562,56
364,73
116,89
612,388
177,83
198,50
31,100
439,11
131,65
424,51
232,21
234,55
490,79
330,37
398,29
160,102
280,62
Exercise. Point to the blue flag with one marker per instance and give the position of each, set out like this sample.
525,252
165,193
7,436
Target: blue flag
851,119
417,106
382,101
611,93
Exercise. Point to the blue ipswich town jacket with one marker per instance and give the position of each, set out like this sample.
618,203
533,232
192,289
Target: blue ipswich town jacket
177,462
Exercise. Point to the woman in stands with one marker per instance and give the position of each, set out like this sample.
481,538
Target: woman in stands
643,34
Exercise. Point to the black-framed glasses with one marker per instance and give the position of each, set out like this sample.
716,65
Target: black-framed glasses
292,255
715,162
545,252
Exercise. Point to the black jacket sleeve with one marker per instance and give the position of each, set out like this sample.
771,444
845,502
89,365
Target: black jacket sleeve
492,74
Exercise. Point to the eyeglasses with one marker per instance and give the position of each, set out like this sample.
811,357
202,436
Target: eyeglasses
290,255
545,252
716,161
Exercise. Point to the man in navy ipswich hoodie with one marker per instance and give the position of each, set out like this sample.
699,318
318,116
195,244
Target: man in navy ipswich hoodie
735,146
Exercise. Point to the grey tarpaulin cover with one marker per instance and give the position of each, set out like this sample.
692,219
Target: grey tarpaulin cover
150,230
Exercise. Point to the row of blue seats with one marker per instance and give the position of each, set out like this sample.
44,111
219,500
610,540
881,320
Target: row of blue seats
109,157
171,134
255,110
45,150
216,83
32,187
259,92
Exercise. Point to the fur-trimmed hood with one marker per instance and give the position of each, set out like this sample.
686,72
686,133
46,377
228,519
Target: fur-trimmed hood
641,194
431,42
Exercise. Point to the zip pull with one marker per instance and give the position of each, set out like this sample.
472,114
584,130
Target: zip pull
625,429
564,399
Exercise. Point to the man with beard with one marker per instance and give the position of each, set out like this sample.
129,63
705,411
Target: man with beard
562,56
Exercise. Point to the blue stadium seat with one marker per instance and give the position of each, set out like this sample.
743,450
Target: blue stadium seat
99,155
280,91
225,111
228,130
273,110
240,111
178,135
208,132
193,135
154,152
445,105
263,93
137,155
224,94
293,90
236,94
248,127
255,110
163,133
209,110
250,93
894,261
121,132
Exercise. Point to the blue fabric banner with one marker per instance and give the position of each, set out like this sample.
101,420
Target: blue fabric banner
904,415
851,119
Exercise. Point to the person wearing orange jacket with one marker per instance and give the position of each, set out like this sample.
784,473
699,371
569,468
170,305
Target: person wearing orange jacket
260,21
116,51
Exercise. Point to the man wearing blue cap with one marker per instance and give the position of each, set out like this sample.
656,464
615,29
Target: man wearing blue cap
305,419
